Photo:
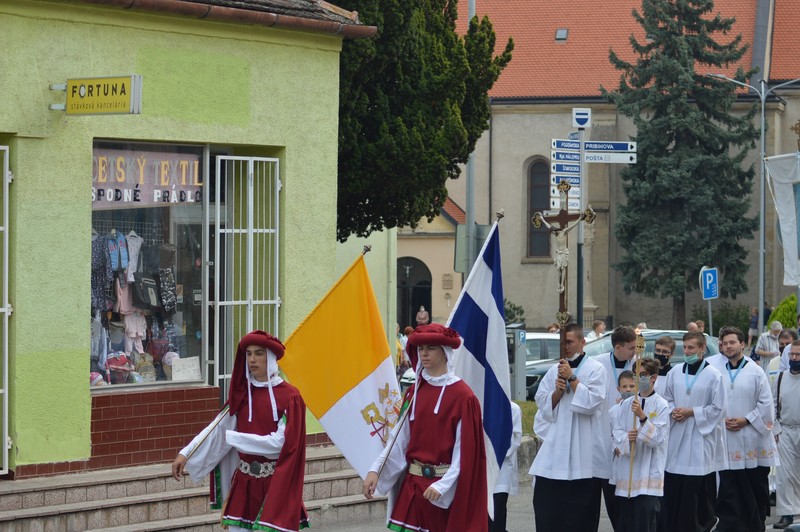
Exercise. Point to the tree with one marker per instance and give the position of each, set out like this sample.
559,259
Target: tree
514,313
687,197
413,103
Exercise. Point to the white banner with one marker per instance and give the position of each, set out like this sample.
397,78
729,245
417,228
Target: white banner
783,177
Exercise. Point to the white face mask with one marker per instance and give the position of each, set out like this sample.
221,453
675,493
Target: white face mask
574,357
644,385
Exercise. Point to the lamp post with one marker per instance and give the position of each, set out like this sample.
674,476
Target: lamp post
763,93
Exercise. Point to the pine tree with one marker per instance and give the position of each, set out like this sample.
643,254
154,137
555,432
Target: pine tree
413,103
688,195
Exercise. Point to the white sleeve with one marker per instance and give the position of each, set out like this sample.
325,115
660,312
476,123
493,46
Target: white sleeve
762,416
784,365
590,393
708,417
446,485
209,447
268,446
395,460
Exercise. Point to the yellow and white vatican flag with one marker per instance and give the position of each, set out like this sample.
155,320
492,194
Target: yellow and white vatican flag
340,360
783,177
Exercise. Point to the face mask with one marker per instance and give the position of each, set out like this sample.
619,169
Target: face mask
644,385
574,357
794,365
691,359
663,359
625,395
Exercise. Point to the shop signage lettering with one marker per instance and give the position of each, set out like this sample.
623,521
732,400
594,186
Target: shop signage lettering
104,96
123,179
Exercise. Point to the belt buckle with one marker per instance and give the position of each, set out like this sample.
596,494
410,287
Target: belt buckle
255,468
428,471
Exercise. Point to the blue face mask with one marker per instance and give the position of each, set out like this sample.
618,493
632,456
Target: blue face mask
691,359
644,385
625,395
794,365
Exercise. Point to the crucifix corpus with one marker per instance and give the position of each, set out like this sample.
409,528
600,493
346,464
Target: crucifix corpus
559,225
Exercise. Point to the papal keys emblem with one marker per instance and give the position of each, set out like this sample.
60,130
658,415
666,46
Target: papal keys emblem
382,417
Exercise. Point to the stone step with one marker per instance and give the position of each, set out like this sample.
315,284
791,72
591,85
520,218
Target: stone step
90,515
333,484
193,523
324,460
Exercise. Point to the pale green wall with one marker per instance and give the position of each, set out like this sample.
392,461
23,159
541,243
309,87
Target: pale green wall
256,90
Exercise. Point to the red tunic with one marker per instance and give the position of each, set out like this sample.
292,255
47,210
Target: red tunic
432,440
274,502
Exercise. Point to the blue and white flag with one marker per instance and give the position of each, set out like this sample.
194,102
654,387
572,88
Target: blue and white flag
783,176
482,361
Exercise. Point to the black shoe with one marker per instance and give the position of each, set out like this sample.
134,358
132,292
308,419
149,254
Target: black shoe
785,521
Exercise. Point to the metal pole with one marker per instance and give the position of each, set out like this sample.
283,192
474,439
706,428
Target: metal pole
710,320
761,211
579,284
470,200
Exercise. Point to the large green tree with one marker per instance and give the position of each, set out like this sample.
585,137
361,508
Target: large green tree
413,103
688,195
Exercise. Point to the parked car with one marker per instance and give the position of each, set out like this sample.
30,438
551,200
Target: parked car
536,369
542,350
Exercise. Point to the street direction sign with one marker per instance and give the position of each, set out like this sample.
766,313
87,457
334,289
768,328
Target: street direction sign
569,156
574,181
609,157
563,168
592,145
573,204
574,192
561,144
709,281
574,135
581,117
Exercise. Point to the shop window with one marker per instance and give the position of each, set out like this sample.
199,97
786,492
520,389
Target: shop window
538,201
146,266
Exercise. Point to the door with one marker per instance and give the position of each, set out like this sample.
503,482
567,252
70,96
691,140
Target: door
242,214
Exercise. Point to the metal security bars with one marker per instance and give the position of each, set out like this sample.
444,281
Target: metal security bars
5,310
243,217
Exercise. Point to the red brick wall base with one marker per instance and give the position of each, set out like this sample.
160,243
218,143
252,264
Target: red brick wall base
131,428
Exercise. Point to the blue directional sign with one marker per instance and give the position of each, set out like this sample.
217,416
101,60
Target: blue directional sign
574,181
709,283
563,168
591,145
571,156
573,135
561,144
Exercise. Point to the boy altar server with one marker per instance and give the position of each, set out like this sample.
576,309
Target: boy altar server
438,461
696,397
639,508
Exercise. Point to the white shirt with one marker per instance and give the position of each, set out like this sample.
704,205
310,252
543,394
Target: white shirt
612,394
650,457
577,445
696,445
749,397
508,478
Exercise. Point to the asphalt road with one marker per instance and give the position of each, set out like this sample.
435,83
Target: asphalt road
520,517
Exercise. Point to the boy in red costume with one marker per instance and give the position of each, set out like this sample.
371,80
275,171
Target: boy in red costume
438,458
259,443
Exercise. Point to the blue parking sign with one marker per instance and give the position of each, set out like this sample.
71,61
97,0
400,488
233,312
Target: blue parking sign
709,283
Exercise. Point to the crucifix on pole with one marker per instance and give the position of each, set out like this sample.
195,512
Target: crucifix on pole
559,225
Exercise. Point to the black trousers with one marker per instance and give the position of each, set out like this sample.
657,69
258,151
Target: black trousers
689,502
610,500
638,514
743,501
561,505
500,513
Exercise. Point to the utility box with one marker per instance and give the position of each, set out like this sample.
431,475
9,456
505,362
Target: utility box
515,340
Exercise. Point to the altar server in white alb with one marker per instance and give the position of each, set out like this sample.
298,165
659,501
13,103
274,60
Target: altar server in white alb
639,488
696,397
743,499
576,454
786,391
508,479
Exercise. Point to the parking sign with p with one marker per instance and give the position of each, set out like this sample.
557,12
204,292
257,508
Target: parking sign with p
709,282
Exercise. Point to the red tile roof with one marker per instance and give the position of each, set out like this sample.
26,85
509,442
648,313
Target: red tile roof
545,68
785,36
455,212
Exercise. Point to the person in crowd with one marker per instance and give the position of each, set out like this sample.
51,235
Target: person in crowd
553,328
786,394
623,342
508,479
575,455
701,325
423,318
662,351
626,387
259,442
768,345
785,340
440,438
642,421
696,451
598,330
752,331
641,326
692,326
743,497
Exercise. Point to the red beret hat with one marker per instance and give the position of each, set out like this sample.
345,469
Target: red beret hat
263,339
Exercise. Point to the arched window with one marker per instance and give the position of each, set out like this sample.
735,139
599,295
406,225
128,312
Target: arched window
538,201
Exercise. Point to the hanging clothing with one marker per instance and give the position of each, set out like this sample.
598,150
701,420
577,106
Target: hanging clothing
135,332
134,246
102,275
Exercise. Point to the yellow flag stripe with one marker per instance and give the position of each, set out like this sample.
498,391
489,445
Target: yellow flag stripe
339,344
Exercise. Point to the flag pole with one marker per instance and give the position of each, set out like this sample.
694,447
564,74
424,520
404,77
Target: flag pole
639,353
395,434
